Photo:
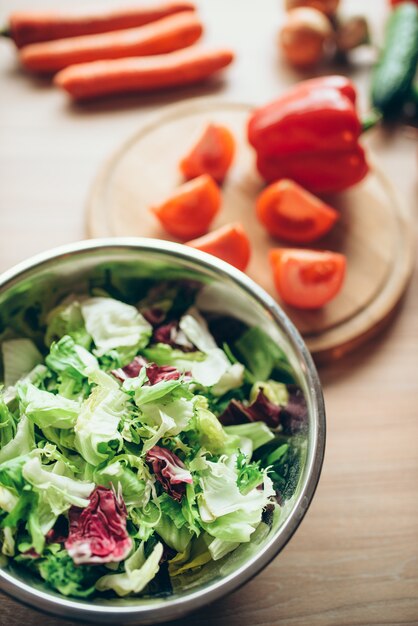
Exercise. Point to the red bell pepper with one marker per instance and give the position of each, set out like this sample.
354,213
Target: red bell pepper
310,135
395,3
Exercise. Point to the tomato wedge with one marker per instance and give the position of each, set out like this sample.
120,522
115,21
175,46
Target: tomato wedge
189,211
307,279
290,212
229,243
212,154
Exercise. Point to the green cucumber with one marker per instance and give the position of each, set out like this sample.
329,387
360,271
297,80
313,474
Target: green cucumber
394,73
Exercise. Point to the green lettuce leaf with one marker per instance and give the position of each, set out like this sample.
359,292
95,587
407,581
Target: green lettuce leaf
166,420
276,392
22,443
7,422
172,509
153,393
47,409
195,555
8,500
8,542
216,371
236,527
258,432
67,357
218,548
163,354
145,519
20,356
225,512
139,571
250,475
117,474
59,571
11,474
58,490
208,428
221,495
176,538
261,355
286,457
67,319
43,493
233,378
96,430
115,326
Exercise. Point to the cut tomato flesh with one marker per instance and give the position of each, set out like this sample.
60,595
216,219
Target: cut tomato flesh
229,243
307,279
189,211
213,154
291,213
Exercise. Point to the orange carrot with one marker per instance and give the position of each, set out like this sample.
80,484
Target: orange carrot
229,243
166,35
27,27
102,78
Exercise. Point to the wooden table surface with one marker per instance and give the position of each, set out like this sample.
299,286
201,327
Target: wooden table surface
354,560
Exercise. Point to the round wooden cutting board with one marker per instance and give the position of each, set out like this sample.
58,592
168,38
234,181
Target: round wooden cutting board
374,230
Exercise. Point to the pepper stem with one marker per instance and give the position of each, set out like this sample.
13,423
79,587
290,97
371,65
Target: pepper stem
5,32
373,118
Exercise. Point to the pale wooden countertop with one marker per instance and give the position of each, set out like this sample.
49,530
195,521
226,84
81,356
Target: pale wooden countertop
354,560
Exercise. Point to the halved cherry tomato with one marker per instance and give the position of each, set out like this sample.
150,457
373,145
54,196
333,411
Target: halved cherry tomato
212,154
290,212
229,243
188,212
307,279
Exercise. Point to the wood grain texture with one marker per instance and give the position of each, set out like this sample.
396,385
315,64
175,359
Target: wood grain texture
144,171
354,560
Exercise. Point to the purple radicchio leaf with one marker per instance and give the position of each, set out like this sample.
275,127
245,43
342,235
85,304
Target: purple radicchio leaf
155,373
131,370
154,315
173,336
261,410
98,532
170,471
59,532
293,416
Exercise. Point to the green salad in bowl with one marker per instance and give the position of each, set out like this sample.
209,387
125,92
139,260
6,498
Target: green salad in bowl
146,437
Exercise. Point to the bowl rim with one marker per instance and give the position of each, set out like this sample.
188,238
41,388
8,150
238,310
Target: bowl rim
172,608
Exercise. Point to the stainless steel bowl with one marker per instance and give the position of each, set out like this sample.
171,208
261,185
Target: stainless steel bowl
45,278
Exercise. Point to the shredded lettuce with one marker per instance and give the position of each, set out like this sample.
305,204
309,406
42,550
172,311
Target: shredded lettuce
59,491
7,422
67,319
71,363
97,435
225,512
275,392
207,427
47,409
262,356
20,356
139,571
168,420
22,443
59,571
115,439
115,326
258,432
